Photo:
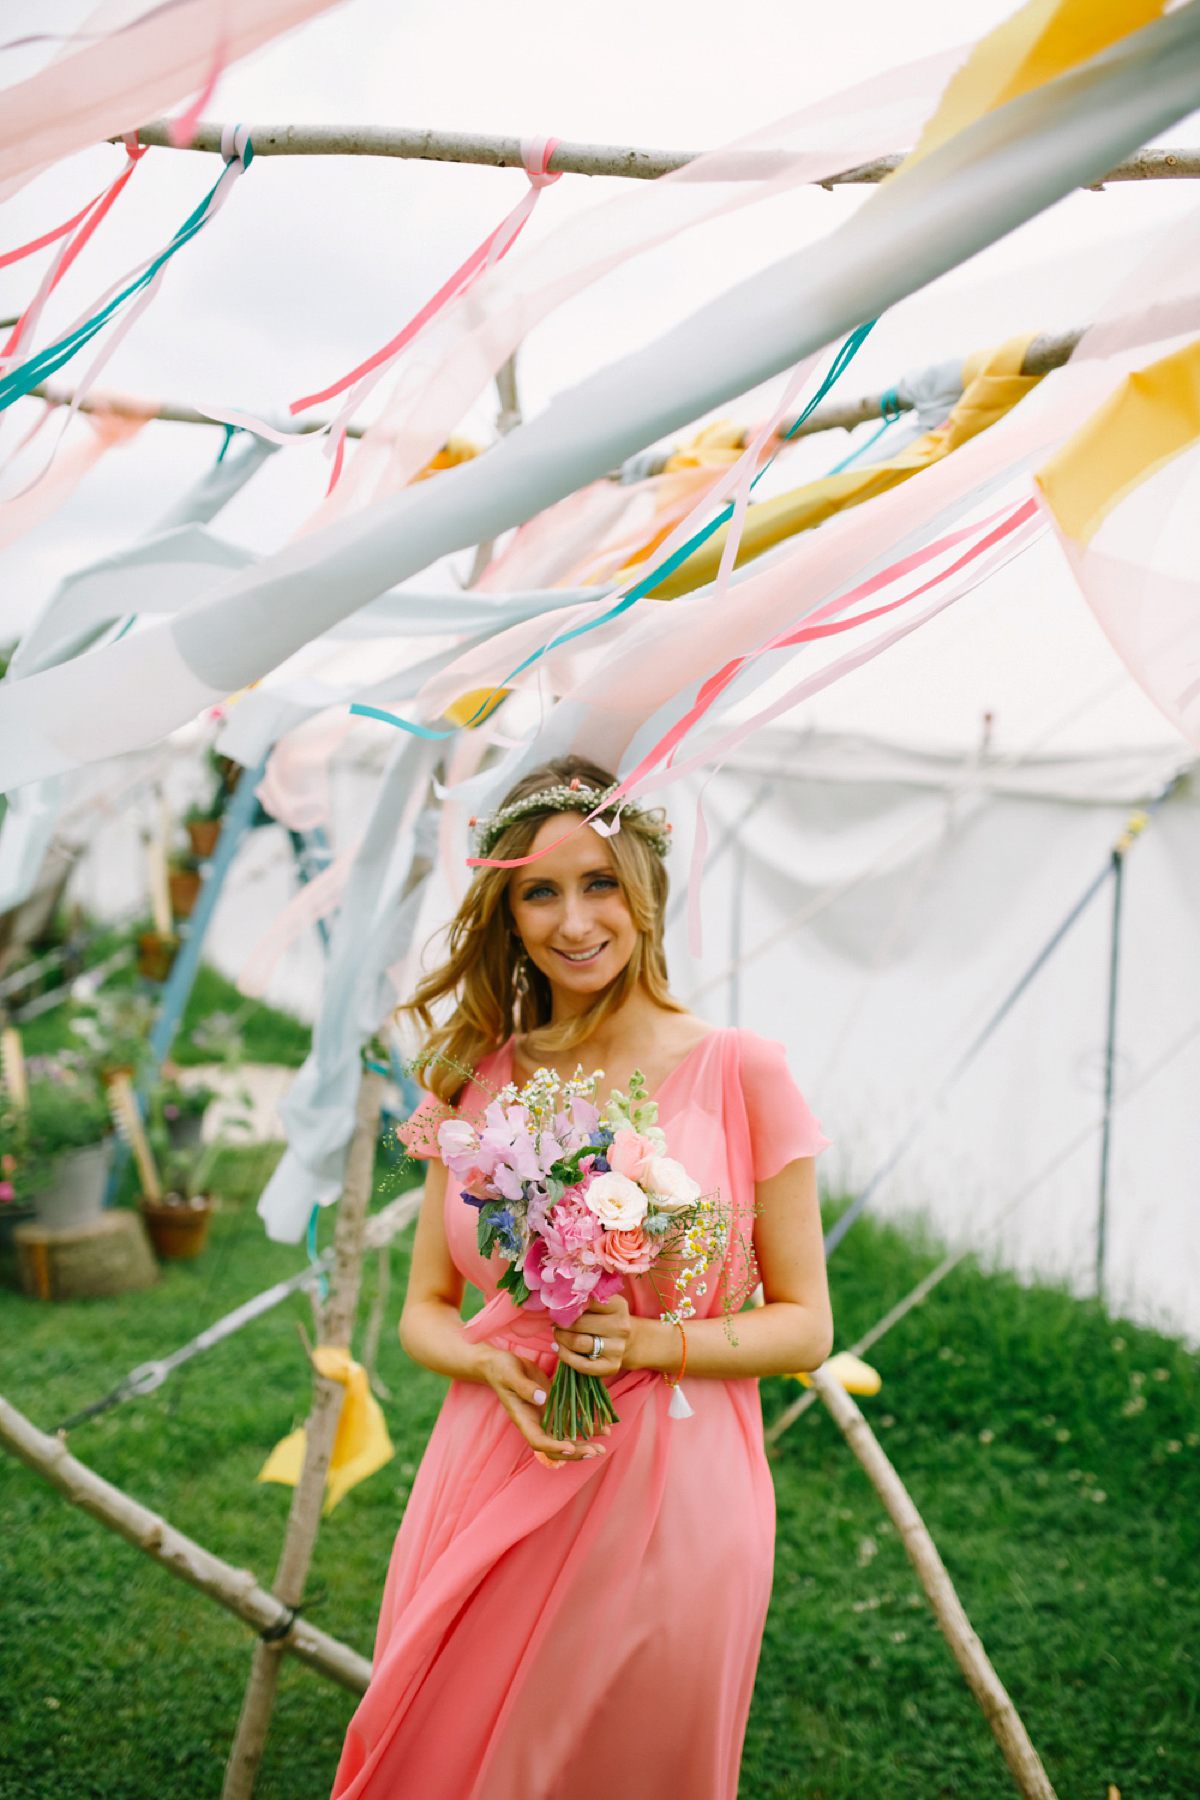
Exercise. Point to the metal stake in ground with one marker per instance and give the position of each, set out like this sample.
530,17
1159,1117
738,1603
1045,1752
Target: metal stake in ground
970,1655
304,1517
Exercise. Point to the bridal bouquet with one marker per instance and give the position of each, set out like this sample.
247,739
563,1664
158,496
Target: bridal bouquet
576,1198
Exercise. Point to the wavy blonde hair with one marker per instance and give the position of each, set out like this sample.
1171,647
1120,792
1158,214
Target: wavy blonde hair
496,988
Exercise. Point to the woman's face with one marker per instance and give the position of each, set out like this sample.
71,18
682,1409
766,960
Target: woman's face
570,914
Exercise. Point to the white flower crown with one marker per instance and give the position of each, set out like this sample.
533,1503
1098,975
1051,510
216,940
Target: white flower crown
572,797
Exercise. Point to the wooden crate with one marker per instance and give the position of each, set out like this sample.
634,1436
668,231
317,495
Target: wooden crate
108,1255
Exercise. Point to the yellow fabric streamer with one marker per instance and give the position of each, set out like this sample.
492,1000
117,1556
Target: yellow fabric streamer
1144,423
850,1372
718,445
362,1444
992,386
1041,41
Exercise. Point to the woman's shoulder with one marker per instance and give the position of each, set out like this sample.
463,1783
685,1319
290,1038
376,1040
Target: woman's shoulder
419,1131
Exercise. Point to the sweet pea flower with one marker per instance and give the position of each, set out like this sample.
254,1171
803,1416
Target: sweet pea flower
456,1138
627,1252
617,1202
630,1154
671,1185
7,1191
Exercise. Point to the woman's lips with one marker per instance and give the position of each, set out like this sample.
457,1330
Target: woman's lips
580,958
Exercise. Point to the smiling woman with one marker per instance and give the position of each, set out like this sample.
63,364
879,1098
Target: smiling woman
589,903
569,1618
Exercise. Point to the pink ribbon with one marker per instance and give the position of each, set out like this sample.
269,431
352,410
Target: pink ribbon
87,220
535,155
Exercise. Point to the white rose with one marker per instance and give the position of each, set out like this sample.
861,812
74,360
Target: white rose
617,1202
671,1185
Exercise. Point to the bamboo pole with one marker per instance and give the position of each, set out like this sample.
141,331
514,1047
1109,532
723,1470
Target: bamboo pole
413,144
304,1516
235,1589
1023,1761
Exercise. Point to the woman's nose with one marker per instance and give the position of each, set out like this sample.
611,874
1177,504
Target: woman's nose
575,922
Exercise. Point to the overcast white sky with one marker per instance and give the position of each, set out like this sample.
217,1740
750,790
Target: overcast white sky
315,262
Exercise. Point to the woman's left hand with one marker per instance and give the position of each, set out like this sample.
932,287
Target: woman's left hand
609,1320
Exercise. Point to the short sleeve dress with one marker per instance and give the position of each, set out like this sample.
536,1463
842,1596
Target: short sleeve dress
592,1630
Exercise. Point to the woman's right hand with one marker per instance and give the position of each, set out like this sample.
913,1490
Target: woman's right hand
521,1389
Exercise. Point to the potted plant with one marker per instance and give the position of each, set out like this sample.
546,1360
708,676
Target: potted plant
115,1034
202,820
156,953
178,1221
179,1111
16,1194
65,1150
184,881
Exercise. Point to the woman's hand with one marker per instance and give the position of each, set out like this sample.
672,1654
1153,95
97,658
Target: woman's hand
608,1320
521,1389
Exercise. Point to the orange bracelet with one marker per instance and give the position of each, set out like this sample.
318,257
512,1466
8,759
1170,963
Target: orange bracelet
683,1364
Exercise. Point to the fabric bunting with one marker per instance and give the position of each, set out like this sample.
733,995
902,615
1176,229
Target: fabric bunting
238,155
976,186
993,385
1122,494
100,86
362,1444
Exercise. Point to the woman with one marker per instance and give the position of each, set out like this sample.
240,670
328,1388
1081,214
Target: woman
581,1621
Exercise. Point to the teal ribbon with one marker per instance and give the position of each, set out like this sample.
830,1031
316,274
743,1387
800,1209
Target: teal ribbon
846,354
890,411
27,375
310,1244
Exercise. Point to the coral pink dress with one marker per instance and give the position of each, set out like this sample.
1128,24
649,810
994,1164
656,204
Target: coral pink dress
589,1632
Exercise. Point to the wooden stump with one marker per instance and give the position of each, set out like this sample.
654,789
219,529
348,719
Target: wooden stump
108,1255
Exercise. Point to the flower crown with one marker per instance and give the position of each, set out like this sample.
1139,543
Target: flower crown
573,797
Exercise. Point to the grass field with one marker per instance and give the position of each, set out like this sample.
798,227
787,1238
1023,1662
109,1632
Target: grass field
1055,1454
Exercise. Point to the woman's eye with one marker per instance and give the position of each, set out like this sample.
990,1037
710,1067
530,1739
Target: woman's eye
538,893
603,884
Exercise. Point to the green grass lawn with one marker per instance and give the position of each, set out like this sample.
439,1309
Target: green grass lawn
1053,1452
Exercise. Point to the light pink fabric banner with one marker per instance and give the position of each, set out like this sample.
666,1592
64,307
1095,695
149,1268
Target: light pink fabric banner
97,90
40,501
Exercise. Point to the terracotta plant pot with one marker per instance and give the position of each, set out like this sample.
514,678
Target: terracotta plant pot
156,954
77,1196
178,1228
204,834
185,885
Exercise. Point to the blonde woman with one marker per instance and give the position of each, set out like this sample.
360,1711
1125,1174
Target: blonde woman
581,1621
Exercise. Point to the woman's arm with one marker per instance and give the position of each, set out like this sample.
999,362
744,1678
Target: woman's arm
793,1330
431,1329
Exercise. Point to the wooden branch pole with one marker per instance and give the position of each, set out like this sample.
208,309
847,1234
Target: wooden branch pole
235,1589
304,1517
970,1655
416,144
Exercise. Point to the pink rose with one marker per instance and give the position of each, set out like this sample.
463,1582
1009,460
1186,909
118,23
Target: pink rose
630,1154
7,1191
627,1252
562,1267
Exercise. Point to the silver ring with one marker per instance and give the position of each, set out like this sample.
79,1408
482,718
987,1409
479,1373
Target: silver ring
597,1349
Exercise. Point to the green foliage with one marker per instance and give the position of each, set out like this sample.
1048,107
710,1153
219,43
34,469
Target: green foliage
67,1114
1088,1607
266,1035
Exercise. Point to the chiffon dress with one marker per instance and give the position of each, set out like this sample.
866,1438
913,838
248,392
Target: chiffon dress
588,1631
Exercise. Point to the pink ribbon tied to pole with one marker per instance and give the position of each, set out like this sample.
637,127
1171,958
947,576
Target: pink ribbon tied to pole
535,155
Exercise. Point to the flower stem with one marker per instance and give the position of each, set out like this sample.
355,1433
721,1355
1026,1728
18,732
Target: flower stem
578,1405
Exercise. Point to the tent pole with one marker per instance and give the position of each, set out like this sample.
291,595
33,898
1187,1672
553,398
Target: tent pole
177,992
1110,1054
